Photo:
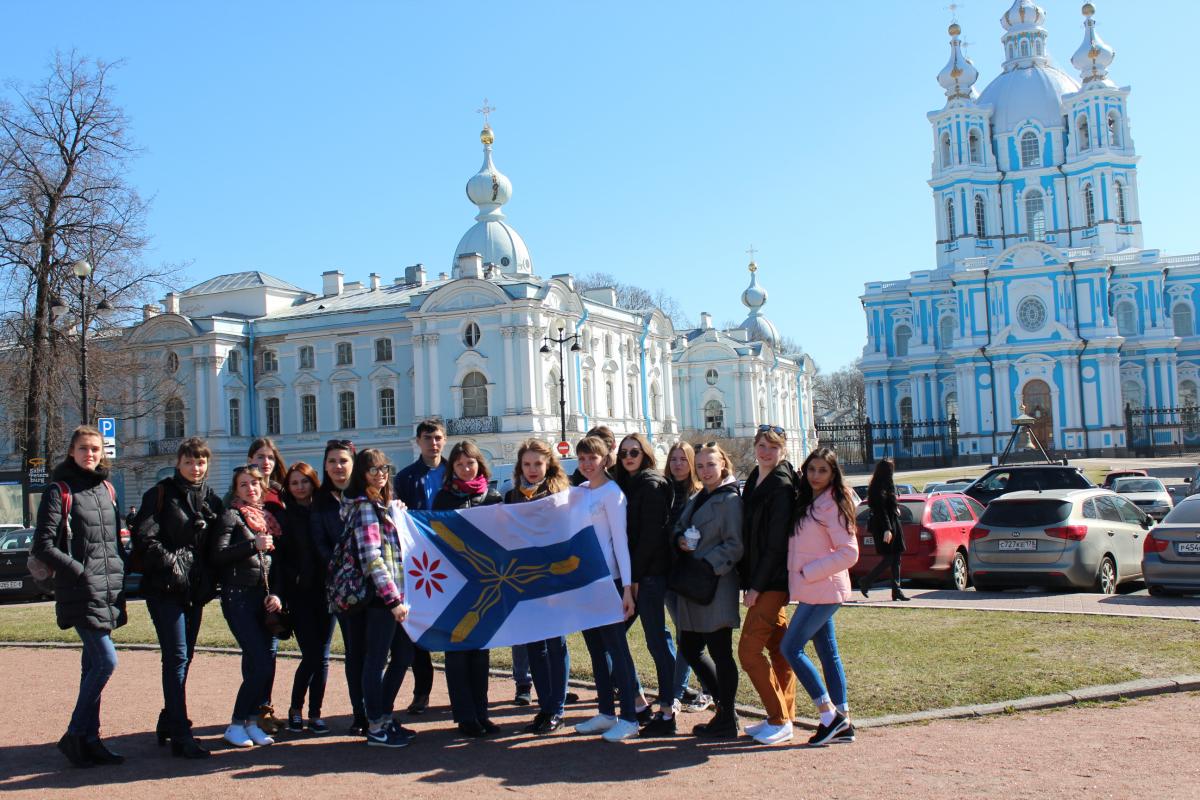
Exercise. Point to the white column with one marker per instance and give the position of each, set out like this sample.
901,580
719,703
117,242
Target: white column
434,383
199,415
510,370
419,382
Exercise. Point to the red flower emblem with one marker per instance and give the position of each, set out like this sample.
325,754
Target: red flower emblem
427,575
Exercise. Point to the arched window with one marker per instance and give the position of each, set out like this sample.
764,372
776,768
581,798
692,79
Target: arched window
1121,215
903,335
714,415
586,388
307,357
383,349
946,329
945,150
347,418
974,148
1035,215
173,419
1131,394
1188,397
1114,129
632,398
1010,52
610,400
655,401
308,413
1085,138
345,354
952,405
951,228
1181,314
1038,47
1024,48
1127,318
906,409
1089,205
235,416
387,408
1031,151
474,395
980,217
272,411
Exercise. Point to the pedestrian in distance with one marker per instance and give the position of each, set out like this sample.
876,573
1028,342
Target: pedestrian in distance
821,550
77,535
171,537
885,526
242,553
768,508
710,531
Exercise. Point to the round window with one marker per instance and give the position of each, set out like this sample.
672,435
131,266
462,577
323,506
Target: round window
504,262
1031,313
471,335
711,377
172,362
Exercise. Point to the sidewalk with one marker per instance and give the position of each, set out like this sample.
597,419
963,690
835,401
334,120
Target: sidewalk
1120,605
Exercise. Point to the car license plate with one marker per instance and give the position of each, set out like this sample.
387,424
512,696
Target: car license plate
1017,544
869,540
10,584
1188,548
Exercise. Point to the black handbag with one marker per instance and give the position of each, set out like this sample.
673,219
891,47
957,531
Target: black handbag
278,623
694,579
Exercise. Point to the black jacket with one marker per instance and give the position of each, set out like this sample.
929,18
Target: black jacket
171,534
682,493
89,574
451,499
233,555
767,508
301,567
885,516
326,527
514,495
649,497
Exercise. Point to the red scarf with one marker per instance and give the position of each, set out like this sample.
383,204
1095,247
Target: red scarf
257,520
477,485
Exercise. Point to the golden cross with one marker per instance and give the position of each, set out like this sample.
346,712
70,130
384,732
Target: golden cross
485,111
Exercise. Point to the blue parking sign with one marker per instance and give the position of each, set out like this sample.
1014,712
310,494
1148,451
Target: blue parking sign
107,427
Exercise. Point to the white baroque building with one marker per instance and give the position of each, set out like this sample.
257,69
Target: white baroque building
1043,295
254,355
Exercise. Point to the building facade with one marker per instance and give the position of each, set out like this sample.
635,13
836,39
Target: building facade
1043,295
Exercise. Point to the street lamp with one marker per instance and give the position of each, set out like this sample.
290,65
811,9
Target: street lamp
83,271
561,340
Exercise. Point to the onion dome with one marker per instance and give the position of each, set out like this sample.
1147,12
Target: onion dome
491,236
1024,35
1094,56
756,325
959,75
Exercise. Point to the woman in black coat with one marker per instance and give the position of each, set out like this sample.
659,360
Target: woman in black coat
885,526
171,534
466,486
89,576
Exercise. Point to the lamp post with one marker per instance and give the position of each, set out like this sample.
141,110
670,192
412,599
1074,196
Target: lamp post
83,271
561,340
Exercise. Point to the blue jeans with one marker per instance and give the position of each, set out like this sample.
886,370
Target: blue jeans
177,626
612,667
243,610
380,628
549,665
521,674
313,625
651,607
815,624
354,640
97,664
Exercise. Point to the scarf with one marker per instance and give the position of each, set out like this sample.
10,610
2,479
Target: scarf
477,485
257,520
529,490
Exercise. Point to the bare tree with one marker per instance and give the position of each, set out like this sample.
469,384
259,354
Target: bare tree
64,155
841,392
636,298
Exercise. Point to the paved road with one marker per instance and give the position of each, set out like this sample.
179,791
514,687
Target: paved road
1135,604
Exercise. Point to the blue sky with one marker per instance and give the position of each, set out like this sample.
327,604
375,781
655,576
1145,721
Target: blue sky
653,140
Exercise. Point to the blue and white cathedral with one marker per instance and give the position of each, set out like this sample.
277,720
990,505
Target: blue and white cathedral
1043,295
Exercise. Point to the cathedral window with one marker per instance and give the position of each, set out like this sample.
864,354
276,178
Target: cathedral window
474,395
172,362
1181,315
387,408
235,362
710,377
308,413
272,412
307,357
903,335
951,228
632,398
173,419
1187,394
946,329
974,148
345,354
471,335
1089,205
383,349
655,401
952,405
945,149
980,217
906,410
587,396
1114,129
609,399
1126,318
270,362
607,346
1031,151
1085,139
1035,215
1024,48
1131,394
347,419
714,415
1121,212
235,417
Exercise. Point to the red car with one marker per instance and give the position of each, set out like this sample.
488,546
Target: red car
936,531
1123,473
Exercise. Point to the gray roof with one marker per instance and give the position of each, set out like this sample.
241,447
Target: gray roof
242,280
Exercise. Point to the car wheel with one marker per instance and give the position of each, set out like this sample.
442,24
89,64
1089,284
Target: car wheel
1106,578
1157,591
960,576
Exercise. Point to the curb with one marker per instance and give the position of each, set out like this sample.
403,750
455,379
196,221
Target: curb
1144,687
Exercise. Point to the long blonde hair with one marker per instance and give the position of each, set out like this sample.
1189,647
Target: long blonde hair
689,453
556,480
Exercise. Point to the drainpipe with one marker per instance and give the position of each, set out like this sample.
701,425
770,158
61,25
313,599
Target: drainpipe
1087,443
579,377
253,407
983,351
1003,227
645,386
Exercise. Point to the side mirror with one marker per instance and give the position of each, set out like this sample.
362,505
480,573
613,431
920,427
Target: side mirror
1187,480
1147,523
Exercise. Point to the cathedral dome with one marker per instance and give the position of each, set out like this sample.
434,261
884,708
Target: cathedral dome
756,325
490,236
1029,93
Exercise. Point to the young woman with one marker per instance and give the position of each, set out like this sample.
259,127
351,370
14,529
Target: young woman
706,629
649,496
681,470
248,573
84,551
885,527
303,592
327,530
538,474
370,518
178,518
265,455
612,664
821,550
768,508
466,485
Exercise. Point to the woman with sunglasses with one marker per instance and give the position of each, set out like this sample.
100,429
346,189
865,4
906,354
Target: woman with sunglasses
466,486
649,498
370,515
242,552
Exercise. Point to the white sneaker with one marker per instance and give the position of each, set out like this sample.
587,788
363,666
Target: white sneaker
752,730
236,735
774,734
597,724
623,729
257,735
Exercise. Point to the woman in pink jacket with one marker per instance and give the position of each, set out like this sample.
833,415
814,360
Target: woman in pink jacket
821,551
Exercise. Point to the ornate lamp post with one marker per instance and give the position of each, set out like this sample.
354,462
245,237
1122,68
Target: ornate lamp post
561,340
83,271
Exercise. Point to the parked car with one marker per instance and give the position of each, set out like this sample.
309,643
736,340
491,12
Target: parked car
1148,494
901,488
1003,480
936,533
961,481
938,486
15,581
1071,538
1121,473
1171,551
1193,482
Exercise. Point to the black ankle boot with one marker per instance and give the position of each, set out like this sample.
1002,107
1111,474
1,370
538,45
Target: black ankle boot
864,587
186,746
98,753
898,595
163,729
75,749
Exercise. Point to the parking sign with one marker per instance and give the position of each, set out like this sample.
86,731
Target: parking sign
108,429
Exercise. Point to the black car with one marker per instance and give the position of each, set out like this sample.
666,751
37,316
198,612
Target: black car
15,581
1002,480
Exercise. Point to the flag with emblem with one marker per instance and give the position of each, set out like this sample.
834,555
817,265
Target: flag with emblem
500,575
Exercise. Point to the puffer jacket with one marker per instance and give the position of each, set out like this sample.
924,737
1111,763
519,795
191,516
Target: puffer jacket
171,533
233,555
301,568
820,554
452,499
89,574
326,527
650,496
768,506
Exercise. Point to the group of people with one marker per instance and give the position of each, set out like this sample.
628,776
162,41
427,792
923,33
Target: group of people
680,541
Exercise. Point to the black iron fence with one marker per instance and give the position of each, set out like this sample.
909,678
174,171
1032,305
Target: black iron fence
913,445
1162,431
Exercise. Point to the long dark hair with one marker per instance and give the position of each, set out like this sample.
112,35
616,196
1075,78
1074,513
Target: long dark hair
646,462
358,486
883,483
465,448
279,471
328,487
837,485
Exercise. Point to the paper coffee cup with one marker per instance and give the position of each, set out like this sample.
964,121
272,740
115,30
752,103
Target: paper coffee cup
692,535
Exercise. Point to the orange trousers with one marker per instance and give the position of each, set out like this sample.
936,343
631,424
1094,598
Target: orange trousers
758,651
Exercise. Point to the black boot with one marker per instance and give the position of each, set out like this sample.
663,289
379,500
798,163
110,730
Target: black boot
100,754
163,729
723,725
863,587
75,749
898,595
186,746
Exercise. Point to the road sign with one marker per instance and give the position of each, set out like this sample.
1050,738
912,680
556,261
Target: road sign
110,451
108,429
563,448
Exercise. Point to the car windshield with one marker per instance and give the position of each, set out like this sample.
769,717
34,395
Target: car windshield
17,540
1025,513
1186,513
1130,485
910,511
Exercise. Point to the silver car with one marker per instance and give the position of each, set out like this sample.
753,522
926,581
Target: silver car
1148,494
1078,538
1171,553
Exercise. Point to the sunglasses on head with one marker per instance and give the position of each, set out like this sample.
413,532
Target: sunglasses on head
772,429
340,444
633,452
709,444
243,468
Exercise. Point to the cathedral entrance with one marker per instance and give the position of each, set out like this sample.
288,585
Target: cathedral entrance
1036,399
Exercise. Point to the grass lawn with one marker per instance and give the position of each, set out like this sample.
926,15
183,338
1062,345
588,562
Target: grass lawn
896,660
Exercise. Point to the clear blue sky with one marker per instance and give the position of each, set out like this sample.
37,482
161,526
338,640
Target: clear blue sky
653,140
